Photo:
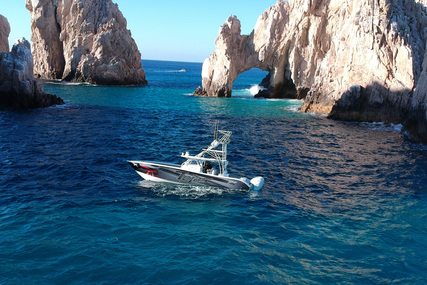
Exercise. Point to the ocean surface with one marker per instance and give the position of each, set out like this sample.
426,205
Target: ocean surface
343,203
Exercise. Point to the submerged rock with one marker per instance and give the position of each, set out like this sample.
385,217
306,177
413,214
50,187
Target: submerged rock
18,88
84,41
357,60
4,34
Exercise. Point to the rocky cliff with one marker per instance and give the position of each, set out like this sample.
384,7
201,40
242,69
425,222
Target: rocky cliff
360,60
4,34
84,41
18,88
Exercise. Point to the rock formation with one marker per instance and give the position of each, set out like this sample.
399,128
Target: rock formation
4,34
361,60
236,53
18,88
200,92
84,41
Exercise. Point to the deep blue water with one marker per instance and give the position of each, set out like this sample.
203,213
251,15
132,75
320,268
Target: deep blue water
343,203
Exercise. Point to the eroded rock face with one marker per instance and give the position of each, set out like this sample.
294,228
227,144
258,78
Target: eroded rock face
18,89
4,34
84,41
353,60
416,122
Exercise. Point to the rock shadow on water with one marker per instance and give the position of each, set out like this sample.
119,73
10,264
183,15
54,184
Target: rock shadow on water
376,103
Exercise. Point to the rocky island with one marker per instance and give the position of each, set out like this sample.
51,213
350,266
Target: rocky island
83,41
4,34
18,88
357,60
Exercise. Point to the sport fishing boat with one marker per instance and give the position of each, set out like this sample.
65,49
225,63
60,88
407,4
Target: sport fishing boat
208,168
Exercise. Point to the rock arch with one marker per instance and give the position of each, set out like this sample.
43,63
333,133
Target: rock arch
236,53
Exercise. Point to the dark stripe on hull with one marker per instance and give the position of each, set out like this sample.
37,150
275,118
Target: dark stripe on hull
177,175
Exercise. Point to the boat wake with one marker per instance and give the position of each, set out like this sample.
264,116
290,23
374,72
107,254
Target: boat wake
173,71
185,190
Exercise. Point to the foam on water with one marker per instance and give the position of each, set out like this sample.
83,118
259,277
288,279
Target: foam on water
294,105
185,191
248,92
65,83
394,128
254,90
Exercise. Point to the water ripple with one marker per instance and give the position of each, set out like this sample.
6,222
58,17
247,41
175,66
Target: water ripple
342,203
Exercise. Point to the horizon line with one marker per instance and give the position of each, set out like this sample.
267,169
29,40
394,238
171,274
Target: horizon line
171,60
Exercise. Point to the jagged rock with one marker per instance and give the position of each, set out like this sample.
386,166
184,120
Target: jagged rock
4,34
18,88
416,123
353,60
199,92
84,41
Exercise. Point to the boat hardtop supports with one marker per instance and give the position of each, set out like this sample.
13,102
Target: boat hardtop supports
211,154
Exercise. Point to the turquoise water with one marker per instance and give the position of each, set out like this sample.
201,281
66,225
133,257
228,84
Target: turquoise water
343,203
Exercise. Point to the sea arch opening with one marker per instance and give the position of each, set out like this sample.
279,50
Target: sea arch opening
248,83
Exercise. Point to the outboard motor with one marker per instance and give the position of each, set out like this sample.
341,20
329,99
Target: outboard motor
257,183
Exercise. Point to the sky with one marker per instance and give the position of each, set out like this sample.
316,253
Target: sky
163,30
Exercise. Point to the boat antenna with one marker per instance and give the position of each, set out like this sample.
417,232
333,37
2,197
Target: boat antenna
216,130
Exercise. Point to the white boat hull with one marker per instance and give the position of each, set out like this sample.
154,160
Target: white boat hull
172,173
